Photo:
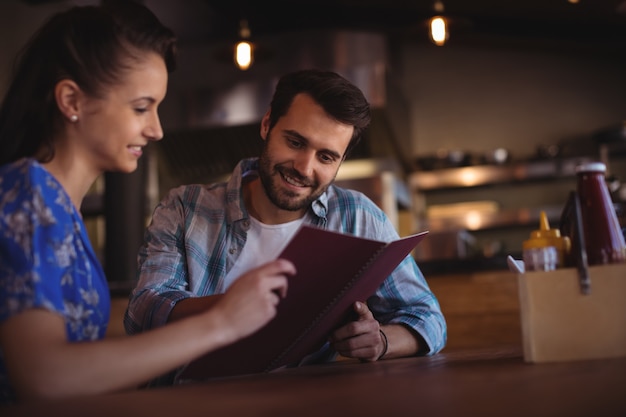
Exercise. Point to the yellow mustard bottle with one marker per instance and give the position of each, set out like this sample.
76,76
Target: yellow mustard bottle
546,249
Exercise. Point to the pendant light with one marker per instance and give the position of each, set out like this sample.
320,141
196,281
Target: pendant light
438,25
244,50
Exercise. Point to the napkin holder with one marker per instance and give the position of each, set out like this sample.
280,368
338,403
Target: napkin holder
561,323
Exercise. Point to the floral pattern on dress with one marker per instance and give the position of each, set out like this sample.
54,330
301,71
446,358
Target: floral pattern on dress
46,258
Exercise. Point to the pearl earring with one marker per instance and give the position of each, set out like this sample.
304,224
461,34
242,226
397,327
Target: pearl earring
74,118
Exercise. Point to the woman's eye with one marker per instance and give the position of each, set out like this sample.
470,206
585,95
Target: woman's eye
141,110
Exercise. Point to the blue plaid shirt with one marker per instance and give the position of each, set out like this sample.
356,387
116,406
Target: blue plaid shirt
198,232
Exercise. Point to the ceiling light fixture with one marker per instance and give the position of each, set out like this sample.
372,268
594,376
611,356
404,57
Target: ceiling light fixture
438,25
244,50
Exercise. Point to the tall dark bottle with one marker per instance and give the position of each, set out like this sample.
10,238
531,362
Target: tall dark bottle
604,240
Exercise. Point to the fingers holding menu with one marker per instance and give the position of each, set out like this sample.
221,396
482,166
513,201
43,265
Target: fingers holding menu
252,299
359,339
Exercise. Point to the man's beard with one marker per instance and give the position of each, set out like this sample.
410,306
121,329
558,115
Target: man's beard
284,199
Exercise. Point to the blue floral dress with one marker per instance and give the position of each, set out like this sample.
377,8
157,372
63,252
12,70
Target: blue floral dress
46,258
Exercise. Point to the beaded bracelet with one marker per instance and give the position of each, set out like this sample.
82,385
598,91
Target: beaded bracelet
384,336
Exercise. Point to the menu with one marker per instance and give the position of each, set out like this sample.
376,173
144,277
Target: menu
333,271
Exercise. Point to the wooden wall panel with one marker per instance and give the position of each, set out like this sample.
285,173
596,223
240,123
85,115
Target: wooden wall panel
481,309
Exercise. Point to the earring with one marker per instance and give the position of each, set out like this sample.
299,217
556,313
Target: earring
74,118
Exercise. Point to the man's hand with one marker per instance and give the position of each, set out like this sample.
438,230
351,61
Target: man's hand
360,339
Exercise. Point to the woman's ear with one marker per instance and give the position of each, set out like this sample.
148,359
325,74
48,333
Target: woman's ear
66,94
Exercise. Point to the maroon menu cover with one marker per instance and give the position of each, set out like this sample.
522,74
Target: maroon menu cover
333,271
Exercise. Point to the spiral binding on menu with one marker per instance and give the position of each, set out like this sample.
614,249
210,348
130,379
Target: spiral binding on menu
324,312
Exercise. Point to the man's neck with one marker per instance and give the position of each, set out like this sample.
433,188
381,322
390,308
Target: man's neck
261,208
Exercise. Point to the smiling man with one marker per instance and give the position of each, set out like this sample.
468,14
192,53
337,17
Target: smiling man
203,237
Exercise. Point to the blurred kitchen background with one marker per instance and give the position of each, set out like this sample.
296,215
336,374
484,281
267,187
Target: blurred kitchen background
470,140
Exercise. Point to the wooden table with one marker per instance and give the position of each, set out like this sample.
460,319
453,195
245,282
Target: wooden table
483,382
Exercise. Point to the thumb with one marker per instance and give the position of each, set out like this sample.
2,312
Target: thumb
362,311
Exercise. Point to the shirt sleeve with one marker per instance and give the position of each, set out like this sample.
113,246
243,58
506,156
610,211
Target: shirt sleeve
162,269
32,243
405,298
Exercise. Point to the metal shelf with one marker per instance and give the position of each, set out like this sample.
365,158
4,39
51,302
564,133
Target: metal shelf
482,175
477,221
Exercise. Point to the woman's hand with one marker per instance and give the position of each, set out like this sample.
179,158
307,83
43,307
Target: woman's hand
251,301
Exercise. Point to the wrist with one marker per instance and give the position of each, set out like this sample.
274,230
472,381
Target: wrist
383,336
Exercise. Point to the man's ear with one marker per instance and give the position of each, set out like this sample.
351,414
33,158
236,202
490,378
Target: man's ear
66,94
265,125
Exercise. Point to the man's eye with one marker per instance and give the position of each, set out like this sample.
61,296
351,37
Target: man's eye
295,143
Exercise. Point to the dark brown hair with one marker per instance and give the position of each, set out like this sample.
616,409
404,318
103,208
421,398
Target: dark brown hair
338,97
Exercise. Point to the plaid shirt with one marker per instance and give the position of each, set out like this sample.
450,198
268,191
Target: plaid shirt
198,231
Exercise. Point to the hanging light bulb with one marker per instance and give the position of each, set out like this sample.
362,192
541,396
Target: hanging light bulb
243,55
438,30
244,49
438,25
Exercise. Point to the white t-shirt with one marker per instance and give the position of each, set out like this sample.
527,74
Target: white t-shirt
264,244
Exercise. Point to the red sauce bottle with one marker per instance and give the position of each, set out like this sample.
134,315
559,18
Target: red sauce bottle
604,239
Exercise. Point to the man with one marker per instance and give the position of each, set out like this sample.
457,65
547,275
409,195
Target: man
202,237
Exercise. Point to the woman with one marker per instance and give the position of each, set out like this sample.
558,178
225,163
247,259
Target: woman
84,101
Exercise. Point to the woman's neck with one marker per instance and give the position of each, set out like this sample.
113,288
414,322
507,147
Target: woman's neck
74,176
